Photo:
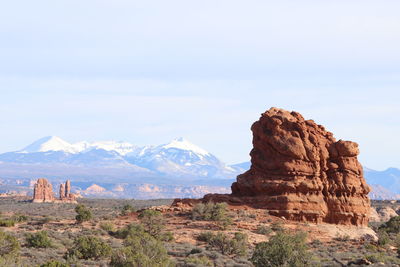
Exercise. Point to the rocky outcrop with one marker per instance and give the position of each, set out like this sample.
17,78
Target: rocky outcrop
385,213
300,172
43,192
374,215
65,192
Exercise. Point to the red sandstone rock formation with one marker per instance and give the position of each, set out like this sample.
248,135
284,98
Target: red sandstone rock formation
299,171
65,192
43,191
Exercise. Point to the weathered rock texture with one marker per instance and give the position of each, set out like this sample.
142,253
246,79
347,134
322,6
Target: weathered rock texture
65,192
43,192
299,171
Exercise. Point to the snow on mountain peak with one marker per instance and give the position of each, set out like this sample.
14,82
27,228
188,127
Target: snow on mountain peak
49,143
121,147
181,143
54,143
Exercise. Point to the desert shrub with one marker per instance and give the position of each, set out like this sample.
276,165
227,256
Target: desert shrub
277,227
198,260
46,219
263,230
196,251
342,238
217,212
153,222
7,223
54,263
83,213
9,245
205,236
89,247
383,238
370,247
127,209
282,250
396,240
375,258
140,249
18,218
226,245
129,229
391,226
167,236
107,226
38,240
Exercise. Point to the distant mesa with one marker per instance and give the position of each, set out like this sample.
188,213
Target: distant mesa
300,172
43,192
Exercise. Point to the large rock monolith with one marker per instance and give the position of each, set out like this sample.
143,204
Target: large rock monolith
299,171
43,191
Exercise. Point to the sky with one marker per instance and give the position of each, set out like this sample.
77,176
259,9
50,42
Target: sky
149,71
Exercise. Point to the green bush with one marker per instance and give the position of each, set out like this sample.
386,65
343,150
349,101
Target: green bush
226,245
38,240
205,236
89,247
167,236
391,226
342,238
383,238
129,229
396,240
153,222
18,218
9,245
7,222
217,212
198,260
127,209
376,257
107,226
263,230
282,250
277,227
54,263
140,249
83,213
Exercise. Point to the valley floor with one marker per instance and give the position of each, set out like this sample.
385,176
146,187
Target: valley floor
329,245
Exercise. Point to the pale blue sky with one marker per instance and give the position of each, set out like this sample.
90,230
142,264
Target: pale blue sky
149,71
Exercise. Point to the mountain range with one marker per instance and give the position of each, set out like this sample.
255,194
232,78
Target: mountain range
175,169
121,169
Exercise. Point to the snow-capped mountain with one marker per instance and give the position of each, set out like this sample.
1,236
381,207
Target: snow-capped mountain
55,143
180,158
176,159
49,143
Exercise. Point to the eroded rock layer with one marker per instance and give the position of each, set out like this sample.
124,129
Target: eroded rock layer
299,171
43,192
65,192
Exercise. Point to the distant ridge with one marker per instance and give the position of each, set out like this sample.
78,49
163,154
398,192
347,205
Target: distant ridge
178,158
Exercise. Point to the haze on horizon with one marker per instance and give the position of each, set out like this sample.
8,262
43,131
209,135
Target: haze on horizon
148,72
